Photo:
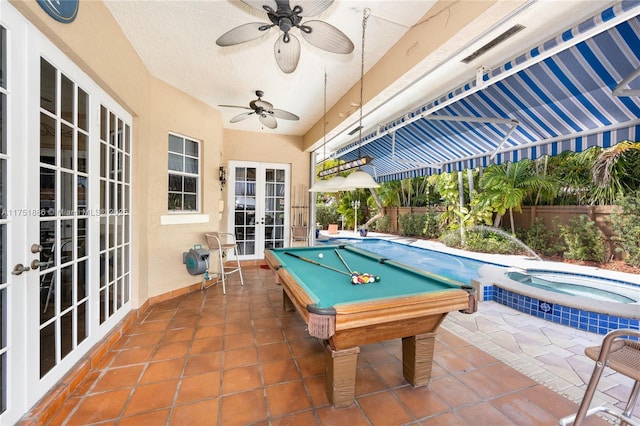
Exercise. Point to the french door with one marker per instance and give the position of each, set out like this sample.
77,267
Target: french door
258,206
64,224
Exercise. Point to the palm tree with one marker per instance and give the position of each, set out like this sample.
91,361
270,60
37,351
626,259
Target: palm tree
389,193
505,187
615,172
413,192
573,171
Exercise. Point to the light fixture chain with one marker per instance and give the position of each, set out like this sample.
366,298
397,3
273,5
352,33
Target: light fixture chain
324,119
365,16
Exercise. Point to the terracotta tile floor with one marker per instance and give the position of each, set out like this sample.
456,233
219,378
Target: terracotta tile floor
206,358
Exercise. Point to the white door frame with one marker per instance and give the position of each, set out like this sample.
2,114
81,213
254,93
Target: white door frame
260,207
17,363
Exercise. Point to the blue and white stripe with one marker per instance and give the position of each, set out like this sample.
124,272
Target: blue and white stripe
562,99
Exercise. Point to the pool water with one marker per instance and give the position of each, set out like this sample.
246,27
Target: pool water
446,265
570,285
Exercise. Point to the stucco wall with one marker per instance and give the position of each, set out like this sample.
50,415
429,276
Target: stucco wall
94,42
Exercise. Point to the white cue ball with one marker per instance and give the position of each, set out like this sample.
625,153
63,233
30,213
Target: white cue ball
321,255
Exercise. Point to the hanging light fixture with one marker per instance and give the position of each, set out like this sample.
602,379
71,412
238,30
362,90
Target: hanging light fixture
321,185
360,179
335,184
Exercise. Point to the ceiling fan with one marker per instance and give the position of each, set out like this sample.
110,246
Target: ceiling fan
265,111
287,48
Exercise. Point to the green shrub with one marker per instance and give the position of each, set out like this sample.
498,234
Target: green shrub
482,241
411,224
326,214
381,225
490,242
626,225
543,240
432,229
451,239
585,241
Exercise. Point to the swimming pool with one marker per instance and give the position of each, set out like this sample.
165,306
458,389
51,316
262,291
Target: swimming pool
454,267
584,309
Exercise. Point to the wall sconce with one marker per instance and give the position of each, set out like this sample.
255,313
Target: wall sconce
222,176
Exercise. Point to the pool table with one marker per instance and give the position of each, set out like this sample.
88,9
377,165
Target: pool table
405,303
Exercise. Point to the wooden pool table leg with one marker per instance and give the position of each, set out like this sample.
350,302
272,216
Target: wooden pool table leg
417,358
287,304
340,371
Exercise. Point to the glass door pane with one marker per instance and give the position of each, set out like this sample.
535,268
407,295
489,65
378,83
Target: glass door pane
245,210
114,212
63,216
274,210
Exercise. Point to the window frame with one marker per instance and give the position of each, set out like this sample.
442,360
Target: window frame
184,174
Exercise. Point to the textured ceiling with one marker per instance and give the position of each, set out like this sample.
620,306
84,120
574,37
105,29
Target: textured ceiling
176,40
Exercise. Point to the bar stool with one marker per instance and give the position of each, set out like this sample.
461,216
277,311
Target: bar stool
222,243
621,355
299,233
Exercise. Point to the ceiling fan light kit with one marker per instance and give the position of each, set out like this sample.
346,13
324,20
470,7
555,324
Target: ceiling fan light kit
287,47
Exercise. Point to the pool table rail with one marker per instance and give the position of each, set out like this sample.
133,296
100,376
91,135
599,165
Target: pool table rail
400,308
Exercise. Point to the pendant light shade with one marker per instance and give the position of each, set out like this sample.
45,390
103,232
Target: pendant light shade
359,179
334,184
319,186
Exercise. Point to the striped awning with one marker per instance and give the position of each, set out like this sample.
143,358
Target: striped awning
558,96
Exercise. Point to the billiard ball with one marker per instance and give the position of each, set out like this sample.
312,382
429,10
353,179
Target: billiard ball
377,278
321,255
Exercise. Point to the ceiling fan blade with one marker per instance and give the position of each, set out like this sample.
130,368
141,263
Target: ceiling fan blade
268,121
234,106
257,4
243,33
287,54
311,7
326,37
285,115
241,117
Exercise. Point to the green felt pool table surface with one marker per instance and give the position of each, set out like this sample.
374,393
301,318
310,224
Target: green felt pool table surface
328,288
